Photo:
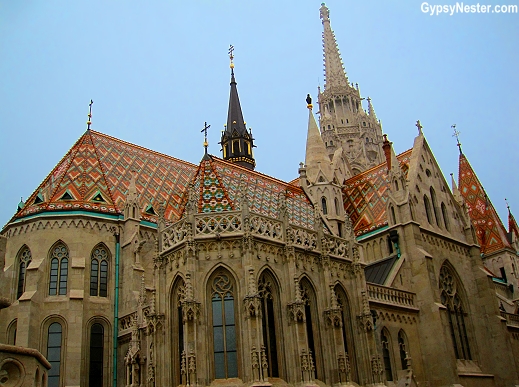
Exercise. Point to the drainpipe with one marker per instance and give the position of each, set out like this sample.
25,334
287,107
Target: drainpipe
393,236
116,305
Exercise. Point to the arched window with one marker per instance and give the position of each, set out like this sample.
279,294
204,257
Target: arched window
97,337
312,329
24,259
224,327
99,271
178,297
435,206
445,216
54,353
456,314
402,348
58,270
324,205
269,307
347,333
386,354
11,332
427,206
393,215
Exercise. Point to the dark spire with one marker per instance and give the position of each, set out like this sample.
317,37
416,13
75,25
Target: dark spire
237,142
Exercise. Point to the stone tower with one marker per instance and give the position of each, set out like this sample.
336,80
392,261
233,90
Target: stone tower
343,121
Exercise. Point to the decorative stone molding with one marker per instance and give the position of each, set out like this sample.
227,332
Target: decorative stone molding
296,309
307,366
344,367
52,224
377,369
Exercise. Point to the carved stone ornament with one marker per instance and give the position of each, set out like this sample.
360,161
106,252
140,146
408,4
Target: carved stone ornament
296,309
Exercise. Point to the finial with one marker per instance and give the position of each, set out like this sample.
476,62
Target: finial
231,56
324,12
507,206
457,135
89,114
309,102
419,126
205,135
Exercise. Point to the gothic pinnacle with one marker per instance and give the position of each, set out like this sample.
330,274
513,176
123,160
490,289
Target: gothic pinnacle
333,67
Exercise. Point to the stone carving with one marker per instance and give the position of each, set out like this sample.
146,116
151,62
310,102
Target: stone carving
343,361
296,309
266,227
218,224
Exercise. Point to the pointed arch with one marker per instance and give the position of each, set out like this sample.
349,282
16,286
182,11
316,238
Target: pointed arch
269,292
23,259
99,263
445,216
427,205
222,290
309,296
324,205
11,332
435,206
58,276
385,341
403,348
347,327
453,298
337,206
178,294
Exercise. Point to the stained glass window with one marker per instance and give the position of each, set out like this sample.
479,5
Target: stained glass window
58,270
99,272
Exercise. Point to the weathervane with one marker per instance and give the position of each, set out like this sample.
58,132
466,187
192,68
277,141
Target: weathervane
231,55
89,114
457,135
205,135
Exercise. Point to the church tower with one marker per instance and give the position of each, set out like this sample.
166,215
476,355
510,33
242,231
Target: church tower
236,142
343,121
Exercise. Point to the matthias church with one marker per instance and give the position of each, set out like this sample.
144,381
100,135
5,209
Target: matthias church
131,268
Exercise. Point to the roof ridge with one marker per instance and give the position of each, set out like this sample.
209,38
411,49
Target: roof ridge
108,184
142,148
403,154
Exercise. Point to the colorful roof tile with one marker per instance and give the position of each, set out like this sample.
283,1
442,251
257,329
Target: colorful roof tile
490,231
95,176
365,196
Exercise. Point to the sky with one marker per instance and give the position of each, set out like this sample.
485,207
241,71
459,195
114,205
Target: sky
157,70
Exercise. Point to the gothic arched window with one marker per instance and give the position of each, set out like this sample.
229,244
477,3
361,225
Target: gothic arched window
97,336
269,296
58,270
178,297
24,259
402,348
435,206
445,216
427,206
324,205
54,353
224,327
386,354
456,314
347,333
99,271
312,329
337,207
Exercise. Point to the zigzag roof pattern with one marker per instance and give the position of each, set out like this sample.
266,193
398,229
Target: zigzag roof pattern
365,196
512,225
218,184
95,176
490,231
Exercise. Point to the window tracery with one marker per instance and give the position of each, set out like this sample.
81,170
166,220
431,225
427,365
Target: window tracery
58,270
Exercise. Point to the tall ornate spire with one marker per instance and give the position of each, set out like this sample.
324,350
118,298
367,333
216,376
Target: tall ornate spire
371,110
237,142
333,68
317,159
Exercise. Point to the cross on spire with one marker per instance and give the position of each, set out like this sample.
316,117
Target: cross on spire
457,135
89,114
231,55
419,126
205,135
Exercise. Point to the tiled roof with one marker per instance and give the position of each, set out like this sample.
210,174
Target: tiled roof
365,196
490,231
95,175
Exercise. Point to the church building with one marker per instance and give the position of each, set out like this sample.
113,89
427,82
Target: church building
131,268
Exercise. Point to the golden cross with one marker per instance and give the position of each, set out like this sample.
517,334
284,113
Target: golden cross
205,135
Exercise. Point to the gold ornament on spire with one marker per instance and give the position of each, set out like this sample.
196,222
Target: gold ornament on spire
231,56
89,122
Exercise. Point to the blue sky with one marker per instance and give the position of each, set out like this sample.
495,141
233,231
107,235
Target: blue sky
158,70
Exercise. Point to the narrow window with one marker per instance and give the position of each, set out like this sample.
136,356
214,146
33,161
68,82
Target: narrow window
267,294
311,330
97,336
402,349
445,216
99,272
324,205
393,216
337,207
24,259
386,355
58,270
427,206
11,332
54,353
224,328
435,206
450,297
